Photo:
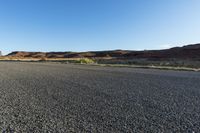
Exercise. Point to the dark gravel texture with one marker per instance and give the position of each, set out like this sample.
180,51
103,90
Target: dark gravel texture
50,97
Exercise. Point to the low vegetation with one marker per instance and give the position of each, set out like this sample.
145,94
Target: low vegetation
85,61
68,60
175,64
150,62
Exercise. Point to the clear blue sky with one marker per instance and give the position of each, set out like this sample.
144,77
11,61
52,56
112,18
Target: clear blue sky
84,25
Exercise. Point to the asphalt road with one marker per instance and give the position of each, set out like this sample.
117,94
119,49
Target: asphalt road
48,97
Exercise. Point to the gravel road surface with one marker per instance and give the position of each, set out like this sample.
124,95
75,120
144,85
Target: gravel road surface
50,97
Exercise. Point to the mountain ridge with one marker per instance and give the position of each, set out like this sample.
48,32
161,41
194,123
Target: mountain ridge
191,51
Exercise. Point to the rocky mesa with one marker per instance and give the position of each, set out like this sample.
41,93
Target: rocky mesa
185,52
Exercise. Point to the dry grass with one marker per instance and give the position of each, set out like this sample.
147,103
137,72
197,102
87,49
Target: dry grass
168,65
75,60
154,67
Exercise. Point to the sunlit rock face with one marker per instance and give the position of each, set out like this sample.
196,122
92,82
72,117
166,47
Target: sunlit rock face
185,52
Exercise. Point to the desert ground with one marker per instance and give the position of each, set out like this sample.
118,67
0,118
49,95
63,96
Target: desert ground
54,97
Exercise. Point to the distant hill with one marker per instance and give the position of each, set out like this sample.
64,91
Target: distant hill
185,52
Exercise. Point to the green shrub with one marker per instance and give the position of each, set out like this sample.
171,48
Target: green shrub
85,61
